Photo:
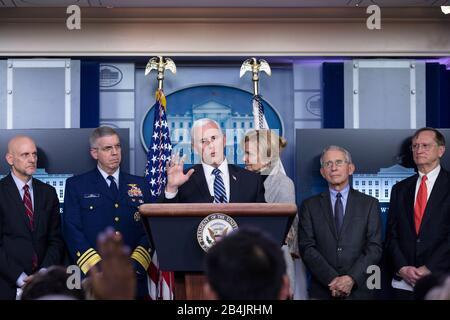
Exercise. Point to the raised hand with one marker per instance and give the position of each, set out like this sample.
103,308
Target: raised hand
175,174
117,280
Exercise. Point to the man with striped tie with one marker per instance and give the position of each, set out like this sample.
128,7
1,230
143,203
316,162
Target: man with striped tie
30,228
214,180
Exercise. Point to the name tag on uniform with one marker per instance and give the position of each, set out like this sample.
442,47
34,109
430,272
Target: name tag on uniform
91,195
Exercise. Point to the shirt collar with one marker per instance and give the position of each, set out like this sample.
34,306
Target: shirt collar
20,184
105,175
208,169
344,192
432,175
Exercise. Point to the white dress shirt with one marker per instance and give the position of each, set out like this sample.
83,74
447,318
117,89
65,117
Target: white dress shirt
431,179
105,176
20,184
207,170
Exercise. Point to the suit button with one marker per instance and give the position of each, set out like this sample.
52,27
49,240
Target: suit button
91,207
116,205
418,240
116,219
78,253
339,249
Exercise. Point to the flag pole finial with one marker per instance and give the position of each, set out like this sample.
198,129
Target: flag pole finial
255,67
160,64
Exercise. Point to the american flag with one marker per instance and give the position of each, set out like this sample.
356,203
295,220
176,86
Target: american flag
161,283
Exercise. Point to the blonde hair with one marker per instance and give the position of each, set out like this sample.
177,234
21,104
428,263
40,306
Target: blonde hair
269,143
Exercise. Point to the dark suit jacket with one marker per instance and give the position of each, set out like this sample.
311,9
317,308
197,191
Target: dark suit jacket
245,186
17,241
431,247
327,254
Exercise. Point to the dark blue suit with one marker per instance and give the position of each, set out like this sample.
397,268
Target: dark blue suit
89,208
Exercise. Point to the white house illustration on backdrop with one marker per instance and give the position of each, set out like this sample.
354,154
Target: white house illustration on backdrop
234,125
58,181
379,185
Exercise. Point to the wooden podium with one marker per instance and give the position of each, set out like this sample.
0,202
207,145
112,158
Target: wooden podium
172,229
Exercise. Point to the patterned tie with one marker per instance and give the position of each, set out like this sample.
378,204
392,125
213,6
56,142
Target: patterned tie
30,214
114,191
421,203
338,213
220,195
28,204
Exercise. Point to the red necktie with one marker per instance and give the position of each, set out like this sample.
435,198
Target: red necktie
29,212
421,203
28,204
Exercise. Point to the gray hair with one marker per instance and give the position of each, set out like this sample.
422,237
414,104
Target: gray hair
201,122
348,156
100,132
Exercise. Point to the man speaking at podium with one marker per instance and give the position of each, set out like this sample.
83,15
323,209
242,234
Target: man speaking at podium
214,180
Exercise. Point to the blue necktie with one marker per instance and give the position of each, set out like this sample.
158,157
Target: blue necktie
338,212
113,190
220,195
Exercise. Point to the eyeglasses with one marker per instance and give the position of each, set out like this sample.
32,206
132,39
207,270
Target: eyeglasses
117,147
424,146
337,163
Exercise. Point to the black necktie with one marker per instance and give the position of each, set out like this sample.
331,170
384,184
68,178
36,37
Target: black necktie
113,187
338,213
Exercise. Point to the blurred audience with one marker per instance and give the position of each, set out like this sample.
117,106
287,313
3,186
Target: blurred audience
440,292
246,265
50,284
117,279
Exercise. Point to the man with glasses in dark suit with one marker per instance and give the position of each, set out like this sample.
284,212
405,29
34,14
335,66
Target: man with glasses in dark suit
339,232
30,223
418,233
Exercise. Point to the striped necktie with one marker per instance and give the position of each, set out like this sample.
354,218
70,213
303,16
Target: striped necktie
28,205
220,195
30,214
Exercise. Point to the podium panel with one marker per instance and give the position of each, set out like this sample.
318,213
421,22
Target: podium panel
172,230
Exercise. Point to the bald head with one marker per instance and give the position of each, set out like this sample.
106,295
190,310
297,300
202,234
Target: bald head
22,157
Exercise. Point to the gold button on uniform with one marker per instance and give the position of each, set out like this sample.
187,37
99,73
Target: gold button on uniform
91,207
78,253
116,219
116,205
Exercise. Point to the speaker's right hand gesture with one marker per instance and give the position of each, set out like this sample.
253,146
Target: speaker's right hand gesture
175,174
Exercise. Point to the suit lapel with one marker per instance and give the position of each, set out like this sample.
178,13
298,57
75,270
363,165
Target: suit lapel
350,209
325,202
234,188
440,190
100,184
409,203
200,181
123,186
38,199
17,201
